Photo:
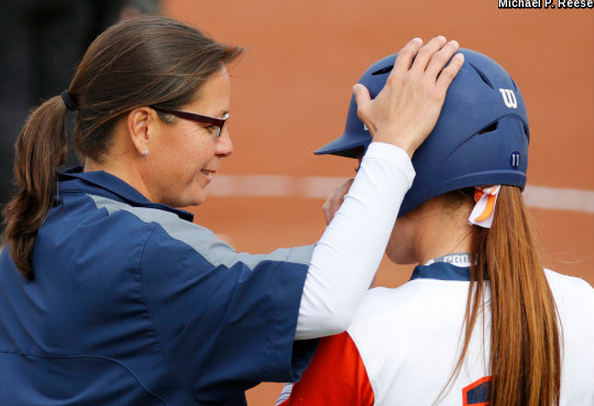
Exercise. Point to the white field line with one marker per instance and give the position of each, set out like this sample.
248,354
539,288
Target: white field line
319,187
559,199
316,187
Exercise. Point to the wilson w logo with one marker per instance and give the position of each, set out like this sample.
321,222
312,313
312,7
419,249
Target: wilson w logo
509,98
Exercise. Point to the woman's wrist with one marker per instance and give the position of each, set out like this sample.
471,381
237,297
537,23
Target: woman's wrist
406,145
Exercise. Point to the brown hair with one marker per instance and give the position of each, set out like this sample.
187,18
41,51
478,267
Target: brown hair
525,359
145,61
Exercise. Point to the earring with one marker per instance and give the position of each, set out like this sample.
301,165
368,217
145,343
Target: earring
144,153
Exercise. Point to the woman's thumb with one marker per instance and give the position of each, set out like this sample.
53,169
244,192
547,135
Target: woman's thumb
361,94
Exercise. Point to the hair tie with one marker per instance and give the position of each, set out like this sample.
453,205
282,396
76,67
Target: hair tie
68,100
484,209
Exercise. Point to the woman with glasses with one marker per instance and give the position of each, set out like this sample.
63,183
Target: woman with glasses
109,294
480,322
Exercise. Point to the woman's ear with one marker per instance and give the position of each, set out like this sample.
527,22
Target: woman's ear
142,124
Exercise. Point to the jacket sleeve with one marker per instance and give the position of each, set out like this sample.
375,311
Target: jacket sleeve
224,319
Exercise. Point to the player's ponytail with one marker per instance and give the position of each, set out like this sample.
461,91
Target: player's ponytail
525,335
40,149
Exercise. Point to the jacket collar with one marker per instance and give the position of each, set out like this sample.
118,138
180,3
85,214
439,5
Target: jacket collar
105,184
442,271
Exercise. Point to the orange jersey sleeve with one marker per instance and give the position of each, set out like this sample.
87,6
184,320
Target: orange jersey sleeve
335,376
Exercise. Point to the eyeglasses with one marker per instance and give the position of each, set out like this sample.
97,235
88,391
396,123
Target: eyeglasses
217,122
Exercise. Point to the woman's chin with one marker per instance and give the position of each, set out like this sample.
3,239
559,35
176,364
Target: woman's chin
197,199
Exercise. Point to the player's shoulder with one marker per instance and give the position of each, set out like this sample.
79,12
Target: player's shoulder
382,304
413,295
570,291
559,281
380,299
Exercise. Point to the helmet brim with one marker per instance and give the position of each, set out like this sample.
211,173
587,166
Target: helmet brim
346,146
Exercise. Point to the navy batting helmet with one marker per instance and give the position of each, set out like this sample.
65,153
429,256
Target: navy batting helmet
480,138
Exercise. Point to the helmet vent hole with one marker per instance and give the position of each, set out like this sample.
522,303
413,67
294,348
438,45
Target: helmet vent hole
483,76
514,83
382,71
488,129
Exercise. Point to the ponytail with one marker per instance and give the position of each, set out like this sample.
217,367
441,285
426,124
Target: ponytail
40,149
176,60
525,336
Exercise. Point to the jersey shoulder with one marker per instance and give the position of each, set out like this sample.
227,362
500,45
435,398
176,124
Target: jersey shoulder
569,290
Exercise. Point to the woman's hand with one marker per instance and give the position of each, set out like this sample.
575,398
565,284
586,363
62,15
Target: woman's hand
407,108
334,201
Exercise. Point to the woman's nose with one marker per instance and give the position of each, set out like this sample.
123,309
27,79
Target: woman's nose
224,146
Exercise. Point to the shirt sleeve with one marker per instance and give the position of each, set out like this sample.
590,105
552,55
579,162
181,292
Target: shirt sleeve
336,376
347,256
225,320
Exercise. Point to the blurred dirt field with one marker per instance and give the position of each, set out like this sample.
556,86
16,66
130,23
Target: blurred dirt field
290,95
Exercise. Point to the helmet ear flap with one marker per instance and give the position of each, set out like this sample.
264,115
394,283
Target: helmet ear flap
480,138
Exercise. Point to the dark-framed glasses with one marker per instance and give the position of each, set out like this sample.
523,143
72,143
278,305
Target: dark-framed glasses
217,122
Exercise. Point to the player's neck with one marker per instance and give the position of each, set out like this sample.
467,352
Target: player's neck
443,232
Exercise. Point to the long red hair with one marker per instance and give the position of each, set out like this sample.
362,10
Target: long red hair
525,359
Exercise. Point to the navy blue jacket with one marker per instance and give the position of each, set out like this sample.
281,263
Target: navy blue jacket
133,304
